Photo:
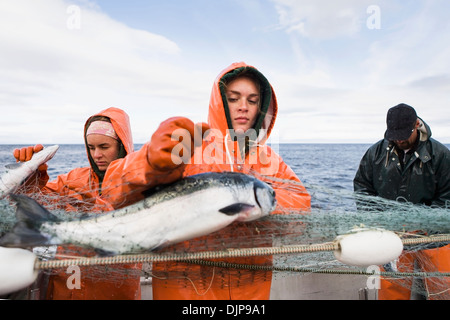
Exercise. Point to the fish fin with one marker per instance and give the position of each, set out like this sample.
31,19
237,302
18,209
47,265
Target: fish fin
30,216
31,212
23,236
236,208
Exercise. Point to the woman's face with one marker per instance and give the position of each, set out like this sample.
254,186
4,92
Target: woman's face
103,150
243,102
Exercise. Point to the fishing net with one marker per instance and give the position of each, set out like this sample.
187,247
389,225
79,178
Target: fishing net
284,247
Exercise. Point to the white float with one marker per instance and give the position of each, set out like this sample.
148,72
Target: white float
366,247
16,269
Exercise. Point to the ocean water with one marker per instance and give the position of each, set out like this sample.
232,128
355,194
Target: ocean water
320,167
326,170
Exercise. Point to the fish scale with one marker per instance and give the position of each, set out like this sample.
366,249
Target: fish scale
189,208
18,173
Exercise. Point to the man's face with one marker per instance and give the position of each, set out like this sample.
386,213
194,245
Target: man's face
407,144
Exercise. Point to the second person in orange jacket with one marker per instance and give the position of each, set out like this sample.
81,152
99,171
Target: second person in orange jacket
108,138
242,113
100,187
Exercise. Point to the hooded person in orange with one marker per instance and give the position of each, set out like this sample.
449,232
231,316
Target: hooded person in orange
116,178
236,140
81,188
107,137
222,150
242,113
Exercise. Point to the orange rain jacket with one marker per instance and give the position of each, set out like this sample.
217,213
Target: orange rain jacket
79,190
220,153
430,260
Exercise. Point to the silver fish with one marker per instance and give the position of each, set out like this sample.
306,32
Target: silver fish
18,173
189,208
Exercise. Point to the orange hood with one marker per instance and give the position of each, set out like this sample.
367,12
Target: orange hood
121,124
218,117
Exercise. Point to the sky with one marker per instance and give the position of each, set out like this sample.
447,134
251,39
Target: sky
336,66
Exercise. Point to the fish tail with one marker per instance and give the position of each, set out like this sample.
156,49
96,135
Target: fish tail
30,216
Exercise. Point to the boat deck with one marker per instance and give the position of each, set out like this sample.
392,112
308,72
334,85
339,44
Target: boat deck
308,287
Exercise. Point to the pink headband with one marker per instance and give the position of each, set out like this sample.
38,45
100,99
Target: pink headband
103,128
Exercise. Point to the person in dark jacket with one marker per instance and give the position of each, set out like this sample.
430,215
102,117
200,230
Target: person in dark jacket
407,166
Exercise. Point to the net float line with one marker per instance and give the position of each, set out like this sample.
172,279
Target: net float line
164,257
196,256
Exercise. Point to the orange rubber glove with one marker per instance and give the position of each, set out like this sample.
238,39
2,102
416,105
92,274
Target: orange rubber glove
167,154
26,153
40,178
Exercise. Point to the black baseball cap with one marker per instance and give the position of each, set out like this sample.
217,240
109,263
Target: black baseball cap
401,121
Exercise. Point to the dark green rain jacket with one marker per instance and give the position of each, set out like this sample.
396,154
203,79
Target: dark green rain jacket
423,179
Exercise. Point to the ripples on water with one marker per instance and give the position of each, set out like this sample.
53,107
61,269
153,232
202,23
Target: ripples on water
326,170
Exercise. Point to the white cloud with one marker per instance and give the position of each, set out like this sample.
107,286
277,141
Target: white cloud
416,47
54,74
347,75
321,19
333,76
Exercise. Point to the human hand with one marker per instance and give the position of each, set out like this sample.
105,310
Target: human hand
26,153
166,153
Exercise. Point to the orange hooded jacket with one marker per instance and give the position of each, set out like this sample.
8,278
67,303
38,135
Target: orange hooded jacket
177,280
220,153
81,190
428,260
